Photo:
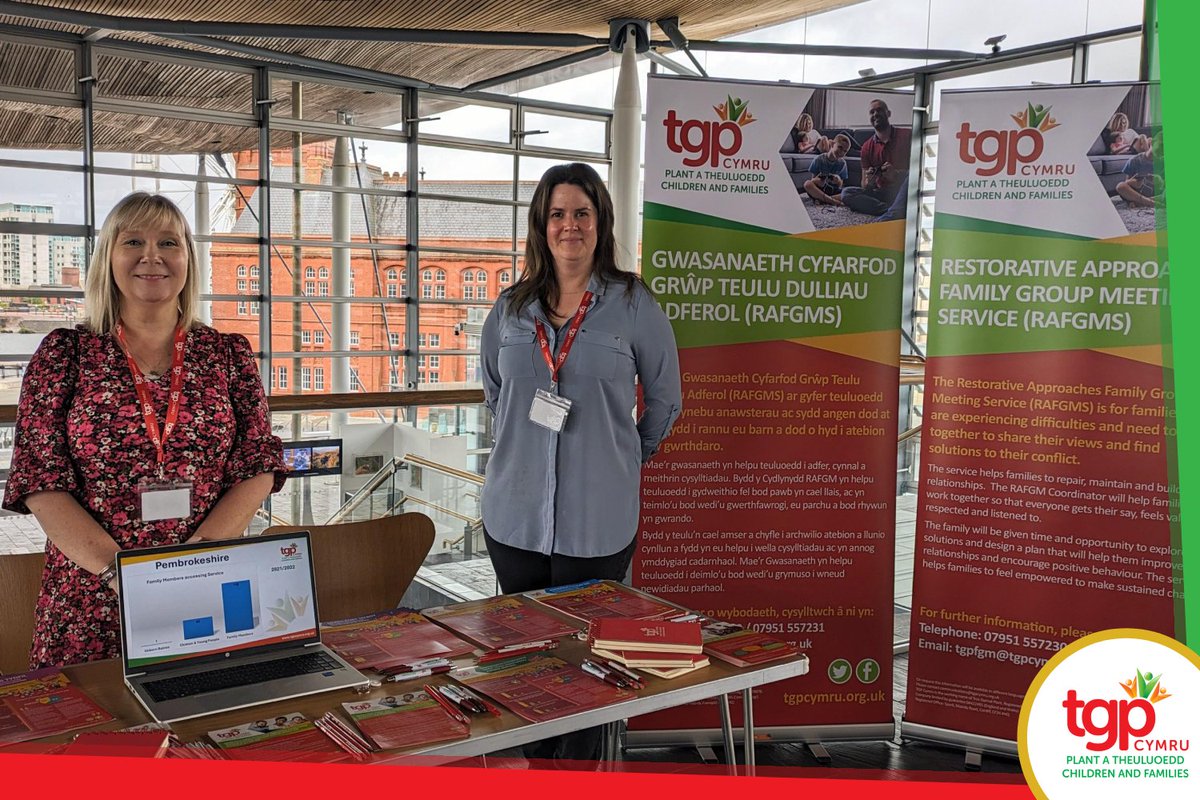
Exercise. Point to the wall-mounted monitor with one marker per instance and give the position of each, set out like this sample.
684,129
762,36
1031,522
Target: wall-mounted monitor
313,457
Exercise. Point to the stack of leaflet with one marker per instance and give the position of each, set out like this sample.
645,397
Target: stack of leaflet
661,648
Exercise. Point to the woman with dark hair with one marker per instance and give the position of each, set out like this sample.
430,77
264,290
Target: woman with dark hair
143,427
561,351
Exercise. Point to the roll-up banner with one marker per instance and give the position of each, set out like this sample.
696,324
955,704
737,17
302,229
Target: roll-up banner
773,238
1048,505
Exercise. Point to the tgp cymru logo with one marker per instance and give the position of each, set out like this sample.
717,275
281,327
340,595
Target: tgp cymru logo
1112,716
707,141
1116,722
1007,151
289,551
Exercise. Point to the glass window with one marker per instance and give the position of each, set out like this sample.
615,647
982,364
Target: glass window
392,274
306,378
319,378
421,360
310,288
305,337
324,285
394,339
281,377
241,284
440,275
481,276
323,273
468,291
435,340
435,362
355,383
469,276
354,338
254,308
422,339
241,270
433,377
505,277
255,271
319,336
392,290
427,292
254,287
427,275
310,272
441,291
241,308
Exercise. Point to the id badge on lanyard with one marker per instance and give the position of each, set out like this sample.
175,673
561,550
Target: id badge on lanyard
161,498
549,409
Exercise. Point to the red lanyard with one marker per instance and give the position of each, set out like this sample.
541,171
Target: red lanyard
556,364
143,391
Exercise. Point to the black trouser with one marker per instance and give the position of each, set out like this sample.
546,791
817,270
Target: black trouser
520,570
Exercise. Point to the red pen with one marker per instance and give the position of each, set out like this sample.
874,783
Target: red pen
454,713
483,701
598,672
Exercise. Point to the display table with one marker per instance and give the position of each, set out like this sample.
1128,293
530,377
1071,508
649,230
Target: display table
103,681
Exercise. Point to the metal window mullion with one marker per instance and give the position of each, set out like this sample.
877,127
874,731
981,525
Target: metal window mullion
262,108
330,129
87,83
413,225
145,109
41,97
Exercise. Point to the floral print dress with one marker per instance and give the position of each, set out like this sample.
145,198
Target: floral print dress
79,430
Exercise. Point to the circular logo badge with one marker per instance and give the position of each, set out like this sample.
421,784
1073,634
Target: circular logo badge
1113,715
840,670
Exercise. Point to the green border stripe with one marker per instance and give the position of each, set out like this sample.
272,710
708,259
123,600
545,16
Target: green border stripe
957,222
663,213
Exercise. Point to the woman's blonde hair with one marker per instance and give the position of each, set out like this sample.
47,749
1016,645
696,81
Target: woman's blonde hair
101,298
800,120
1121,117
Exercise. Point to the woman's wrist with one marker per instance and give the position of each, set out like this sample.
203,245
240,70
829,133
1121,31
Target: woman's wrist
108,575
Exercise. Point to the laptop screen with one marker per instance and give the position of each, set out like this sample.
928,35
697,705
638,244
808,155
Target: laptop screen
215,598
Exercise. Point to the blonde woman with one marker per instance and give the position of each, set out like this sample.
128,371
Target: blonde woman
806,138
1121,136
142,427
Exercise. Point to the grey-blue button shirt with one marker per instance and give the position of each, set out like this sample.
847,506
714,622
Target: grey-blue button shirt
577,492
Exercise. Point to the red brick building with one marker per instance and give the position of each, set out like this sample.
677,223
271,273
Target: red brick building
473,277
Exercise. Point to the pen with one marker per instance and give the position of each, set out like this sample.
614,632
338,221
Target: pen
483,701
607,677
415,666
420,673
526,645
622,670
464,700
499,655
442,701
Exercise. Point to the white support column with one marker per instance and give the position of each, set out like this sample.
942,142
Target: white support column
340,263
626,155
203,228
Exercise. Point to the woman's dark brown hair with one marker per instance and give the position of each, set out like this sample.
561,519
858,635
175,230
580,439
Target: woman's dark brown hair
538,281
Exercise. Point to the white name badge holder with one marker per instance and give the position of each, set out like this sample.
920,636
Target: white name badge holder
549,410
163,499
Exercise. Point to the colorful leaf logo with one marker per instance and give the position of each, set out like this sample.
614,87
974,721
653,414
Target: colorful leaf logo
1036,117
1145,686
734,109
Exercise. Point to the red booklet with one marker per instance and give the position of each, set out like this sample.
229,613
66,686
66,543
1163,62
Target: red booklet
43,703
500,622
595,599
383,640
746,647
142,744
538,688
654,635
405,720
638,659
284,737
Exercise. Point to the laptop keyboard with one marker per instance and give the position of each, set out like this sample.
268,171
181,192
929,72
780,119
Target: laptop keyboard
242,675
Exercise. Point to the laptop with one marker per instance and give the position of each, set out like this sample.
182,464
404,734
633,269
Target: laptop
216,626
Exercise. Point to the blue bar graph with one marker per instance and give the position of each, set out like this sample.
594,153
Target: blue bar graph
197,628
239,610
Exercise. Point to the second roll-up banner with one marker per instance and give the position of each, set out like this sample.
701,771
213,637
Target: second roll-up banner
773,238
